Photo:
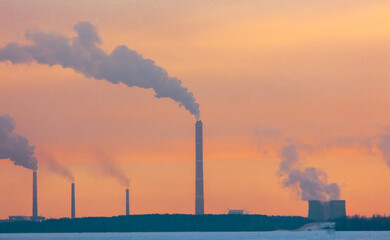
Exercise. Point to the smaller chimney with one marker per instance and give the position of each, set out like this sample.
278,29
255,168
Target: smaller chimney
127,202
35,197
73,210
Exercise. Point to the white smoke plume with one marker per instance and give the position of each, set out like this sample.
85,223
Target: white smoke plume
83,55
59,169
310,183
15,147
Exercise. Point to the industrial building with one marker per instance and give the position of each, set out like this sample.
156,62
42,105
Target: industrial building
236,212
34,216
323,211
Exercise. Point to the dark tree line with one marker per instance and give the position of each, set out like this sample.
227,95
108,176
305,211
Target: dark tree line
359,223
157,223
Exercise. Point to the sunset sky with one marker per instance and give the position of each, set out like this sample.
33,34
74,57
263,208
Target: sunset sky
265,73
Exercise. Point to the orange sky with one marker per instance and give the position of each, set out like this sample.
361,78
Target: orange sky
314,71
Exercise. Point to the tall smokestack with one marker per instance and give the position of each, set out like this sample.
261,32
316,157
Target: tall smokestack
73,208
127,202
199,198
35,197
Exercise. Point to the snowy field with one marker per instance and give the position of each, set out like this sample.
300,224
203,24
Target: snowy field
201,235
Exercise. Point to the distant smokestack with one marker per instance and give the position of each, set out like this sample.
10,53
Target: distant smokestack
199,195
127,202
35,197
73,208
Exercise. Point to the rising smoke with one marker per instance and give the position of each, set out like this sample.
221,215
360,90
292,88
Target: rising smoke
310,183
384,147
83,55
14,146
109,169
59,169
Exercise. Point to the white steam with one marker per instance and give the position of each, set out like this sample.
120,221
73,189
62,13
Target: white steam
83,54
310,183
15,147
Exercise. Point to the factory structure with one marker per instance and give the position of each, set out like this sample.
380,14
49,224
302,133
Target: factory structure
34,216
127,202
323,211
73,203
199,194
317,210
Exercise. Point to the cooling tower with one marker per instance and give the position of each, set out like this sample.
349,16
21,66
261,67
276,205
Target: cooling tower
35,196
199,195
73,207
323,211
127,202
316,211
337,209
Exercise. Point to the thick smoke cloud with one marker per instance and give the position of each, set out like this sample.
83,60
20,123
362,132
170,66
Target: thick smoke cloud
83,55
109,169
59,169
310,183
14,146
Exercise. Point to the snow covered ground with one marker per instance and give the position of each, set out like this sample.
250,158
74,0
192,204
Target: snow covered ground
318,226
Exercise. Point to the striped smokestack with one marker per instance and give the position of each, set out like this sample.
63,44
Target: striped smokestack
35,197
127,202
73,207
199,196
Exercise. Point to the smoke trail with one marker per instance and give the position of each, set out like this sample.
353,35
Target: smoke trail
109,169
83,55
59,169
290,159
384,147
310,183
14,146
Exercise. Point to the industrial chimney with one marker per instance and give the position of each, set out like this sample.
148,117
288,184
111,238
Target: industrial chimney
199,195
73,207
127,202
35,197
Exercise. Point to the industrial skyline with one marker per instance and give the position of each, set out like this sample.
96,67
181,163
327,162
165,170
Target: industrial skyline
91,83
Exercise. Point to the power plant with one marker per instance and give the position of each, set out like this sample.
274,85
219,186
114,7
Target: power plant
323,211
317,210
127,202
199,195
73,204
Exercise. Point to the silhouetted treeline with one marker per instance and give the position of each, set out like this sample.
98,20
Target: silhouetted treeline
359,223
157,223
